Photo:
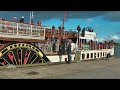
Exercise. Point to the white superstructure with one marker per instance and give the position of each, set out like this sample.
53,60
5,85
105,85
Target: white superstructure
87,48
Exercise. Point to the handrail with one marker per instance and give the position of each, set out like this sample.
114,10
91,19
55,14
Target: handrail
21,29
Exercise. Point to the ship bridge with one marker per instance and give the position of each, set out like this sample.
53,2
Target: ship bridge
22,32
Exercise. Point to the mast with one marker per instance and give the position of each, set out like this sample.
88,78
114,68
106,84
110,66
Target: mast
63,20
31,16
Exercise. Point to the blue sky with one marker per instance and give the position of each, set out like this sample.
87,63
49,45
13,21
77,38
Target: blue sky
105,23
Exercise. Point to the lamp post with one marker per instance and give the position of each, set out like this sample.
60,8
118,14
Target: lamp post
78,29
77,55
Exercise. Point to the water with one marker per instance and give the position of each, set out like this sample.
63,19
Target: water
117,51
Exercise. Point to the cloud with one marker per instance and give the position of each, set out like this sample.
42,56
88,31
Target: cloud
97,26
46,15
115,37
112,16
89,19
84,14
100,39
8,15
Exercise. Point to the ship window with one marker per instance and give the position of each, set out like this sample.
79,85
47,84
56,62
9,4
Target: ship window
91,55
101,54
87,55
98,54
83,56
94,55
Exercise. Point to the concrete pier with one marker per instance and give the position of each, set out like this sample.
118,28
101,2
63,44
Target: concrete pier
108,69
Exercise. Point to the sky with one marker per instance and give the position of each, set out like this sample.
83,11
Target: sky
105,23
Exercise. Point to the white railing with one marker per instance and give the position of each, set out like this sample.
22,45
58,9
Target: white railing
21,30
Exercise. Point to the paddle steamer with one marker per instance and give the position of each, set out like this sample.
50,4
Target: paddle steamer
23,43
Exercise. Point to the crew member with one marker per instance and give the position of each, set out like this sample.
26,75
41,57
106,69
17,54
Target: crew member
69,51
38,23
63,44
53,40
60,52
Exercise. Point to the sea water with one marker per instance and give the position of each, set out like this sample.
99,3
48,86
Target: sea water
117,51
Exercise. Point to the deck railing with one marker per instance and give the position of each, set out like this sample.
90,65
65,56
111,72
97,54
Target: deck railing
21,30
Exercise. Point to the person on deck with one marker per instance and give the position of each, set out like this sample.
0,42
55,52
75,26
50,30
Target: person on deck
63,44
38,23
53,40
32,23
22,19
60,52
